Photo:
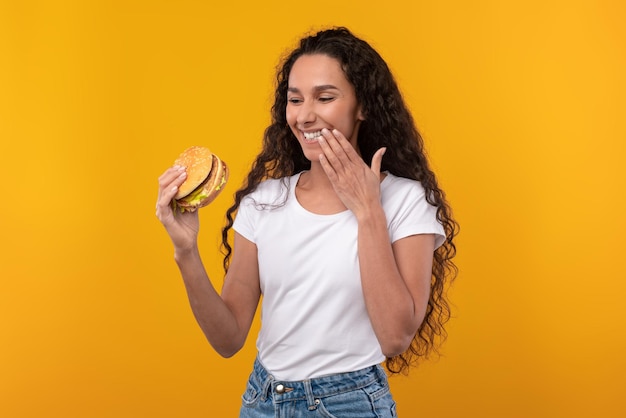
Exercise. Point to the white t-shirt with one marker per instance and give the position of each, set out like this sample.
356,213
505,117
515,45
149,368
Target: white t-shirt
313,318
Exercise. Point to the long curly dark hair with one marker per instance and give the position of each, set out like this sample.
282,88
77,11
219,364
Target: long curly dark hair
388,123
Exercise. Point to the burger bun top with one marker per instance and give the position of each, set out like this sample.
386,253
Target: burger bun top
209,189
197,161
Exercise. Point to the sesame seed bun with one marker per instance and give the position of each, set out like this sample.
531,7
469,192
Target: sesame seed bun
197,162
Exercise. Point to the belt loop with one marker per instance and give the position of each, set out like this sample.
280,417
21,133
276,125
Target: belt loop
267,387
381,375
308,390
265,379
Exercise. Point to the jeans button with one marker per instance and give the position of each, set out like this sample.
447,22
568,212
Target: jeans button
280,388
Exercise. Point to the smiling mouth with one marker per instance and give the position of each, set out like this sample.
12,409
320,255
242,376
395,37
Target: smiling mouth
312,135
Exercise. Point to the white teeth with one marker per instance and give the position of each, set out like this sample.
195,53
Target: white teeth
312,135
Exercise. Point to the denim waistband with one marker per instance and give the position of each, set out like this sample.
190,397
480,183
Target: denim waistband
319,387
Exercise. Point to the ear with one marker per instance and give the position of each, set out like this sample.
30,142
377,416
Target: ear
360,116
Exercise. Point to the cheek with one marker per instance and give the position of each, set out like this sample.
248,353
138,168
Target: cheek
290,115
291,122
347,121
345,115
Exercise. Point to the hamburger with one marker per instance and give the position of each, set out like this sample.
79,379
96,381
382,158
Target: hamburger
206,177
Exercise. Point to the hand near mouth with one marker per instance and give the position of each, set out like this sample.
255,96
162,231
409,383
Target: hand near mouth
356,184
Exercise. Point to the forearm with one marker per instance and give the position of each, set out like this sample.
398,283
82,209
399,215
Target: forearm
390,305
213,316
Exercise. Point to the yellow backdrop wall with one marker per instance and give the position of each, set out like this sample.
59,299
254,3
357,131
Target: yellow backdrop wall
522,107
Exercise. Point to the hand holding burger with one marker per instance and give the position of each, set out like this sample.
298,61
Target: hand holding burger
207,175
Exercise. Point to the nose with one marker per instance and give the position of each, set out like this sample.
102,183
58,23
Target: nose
306,113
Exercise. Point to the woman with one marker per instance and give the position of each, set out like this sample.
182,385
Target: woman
342,228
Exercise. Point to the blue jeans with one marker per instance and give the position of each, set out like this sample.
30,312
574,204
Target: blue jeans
359,394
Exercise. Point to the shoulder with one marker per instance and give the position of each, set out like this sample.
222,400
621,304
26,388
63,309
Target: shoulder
268,195
408,211
393,186
269,186
270,191
399,194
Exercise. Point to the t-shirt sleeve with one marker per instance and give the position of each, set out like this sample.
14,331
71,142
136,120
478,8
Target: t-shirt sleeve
411,214
244,219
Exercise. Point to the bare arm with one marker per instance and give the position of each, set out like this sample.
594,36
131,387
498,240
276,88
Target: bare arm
395,279
225,320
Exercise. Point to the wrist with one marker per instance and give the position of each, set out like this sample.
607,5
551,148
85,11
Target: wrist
181,254
371,215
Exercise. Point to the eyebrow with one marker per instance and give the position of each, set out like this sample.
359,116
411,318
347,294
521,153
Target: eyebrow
316,88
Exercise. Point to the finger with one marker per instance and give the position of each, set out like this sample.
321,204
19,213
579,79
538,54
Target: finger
328,168
169,183
329,145
346,147
377,160
338,150
173,176
170,175
333,149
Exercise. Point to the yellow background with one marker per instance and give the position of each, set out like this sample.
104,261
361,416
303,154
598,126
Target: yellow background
522,106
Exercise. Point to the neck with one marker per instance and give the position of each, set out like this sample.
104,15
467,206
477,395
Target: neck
315,178
316,194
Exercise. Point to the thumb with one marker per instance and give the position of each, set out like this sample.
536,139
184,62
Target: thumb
377,160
